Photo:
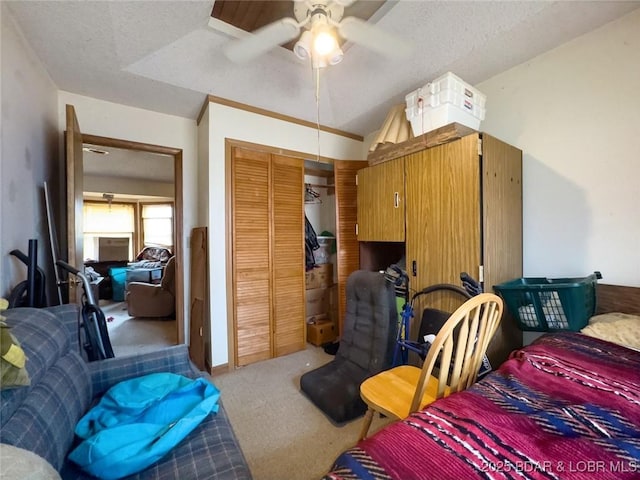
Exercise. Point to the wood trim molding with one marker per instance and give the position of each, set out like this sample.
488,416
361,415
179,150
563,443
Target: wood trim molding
179,226
219,369
231,343
448,133
230,142
276,115
203,109
129,144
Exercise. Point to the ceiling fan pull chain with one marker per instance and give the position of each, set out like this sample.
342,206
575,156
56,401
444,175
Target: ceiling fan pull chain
318,110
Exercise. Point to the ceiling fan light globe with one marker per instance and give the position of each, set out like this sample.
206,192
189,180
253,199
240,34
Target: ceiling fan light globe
324,42
336,56
302,48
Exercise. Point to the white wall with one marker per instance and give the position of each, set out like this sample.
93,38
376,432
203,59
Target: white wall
203,170
29,154
107,119
232,123
129,186
321,215
575,113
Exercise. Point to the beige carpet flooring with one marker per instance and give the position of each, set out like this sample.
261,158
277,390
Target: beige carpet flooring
282,434
131,335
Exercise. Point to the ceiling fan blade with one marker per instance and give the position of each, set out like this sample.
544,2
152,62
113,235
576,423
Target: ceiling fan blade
374,38
262,40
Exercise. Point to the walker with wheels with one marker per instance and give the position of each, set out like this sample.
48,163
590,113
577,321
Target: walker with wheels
432,319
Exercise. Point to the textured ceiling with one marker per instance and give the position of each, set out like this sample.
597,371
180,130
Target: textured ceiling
120,163
162,56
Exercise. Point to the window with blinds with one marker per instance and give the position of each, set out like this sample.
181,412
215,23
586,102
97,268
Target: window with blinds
114,223
157,224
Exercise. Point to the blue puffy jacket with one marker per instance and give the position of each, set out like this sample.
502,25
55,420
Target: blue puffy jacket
138,421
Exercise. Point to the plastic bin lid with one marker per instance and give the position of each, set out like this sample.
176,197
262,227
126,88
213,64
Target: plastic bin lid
324,239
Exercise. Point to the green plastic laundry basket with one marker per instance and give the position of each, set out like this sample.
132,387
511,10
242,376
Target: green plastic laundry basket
549,304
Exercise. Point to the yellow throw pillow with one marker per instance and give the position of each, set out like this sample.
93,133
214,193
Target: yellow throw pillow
12,358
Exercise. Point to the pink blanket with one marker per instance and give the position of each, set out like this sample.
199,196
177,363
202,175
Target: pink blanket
566,407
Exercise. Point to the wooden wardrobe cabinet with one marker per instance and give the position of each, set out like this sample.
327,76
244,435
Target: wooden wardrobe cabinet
463,214
268,255
381,204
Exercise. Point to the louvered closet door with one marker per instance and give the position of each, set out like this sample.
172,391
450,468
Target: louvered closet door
287,231
346,213
443,216
251,255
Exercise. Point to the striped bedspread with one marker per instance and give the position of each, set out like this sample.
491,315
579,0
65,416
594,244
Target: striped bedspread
565,407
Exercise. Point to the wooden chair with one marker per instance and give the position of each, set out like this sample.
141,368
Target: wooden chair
456,353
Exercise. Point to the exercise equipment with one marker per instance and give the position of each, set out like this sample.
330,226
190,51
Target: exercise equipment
93,335
32,291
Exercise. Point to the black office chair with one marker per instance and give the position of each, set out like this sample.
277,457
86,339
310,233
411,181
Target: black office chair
366,348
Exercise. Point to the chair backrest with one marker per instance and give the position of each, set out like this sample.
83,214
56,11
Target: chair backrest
168,277
371,322
460,358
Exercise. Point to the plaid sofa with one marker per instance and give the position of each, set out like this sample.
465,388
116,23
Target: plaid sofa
42,417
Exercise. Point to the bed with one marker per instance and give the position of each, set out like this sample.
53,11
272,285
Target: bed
565,407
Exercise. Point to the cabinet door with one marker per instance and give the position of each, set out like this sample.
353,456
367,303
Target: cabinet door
443,217
250,174
346,215
381,202
287,232
502,232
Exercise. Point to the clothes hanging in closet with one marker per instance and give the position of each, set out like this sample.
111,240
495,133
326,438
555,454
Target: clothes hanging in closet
310,244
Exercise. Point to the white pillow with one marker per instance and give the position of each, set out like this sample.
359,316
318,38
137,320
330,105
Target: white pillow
620,328
20,464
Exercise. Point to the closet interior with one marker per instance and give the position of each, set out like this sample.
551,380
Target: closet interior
321,305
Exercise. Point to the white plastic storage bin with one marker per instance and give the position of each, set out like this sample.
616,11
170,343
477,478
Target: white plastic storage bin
436,117
449,81
439,99
445,100
459,100
323,254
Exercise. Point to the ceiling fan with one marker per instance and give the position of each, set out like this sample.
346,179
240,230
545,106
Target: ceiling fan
320,21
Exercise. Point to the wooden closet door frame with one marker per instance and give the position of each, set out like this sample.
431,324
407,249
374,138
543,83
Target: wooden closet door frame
345,172
230,143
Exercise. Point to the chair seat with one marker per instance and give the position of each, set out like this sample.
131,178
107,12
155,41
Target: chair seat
456,358
391,392
335,389
366,345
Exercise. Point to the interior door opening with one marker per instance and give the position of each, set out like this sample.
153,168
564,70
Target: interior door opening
143,181
142,184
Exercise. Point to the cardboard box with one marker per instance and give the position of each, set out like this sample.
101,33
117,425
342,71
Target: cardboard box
321,333
317,302
319,277
318,318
